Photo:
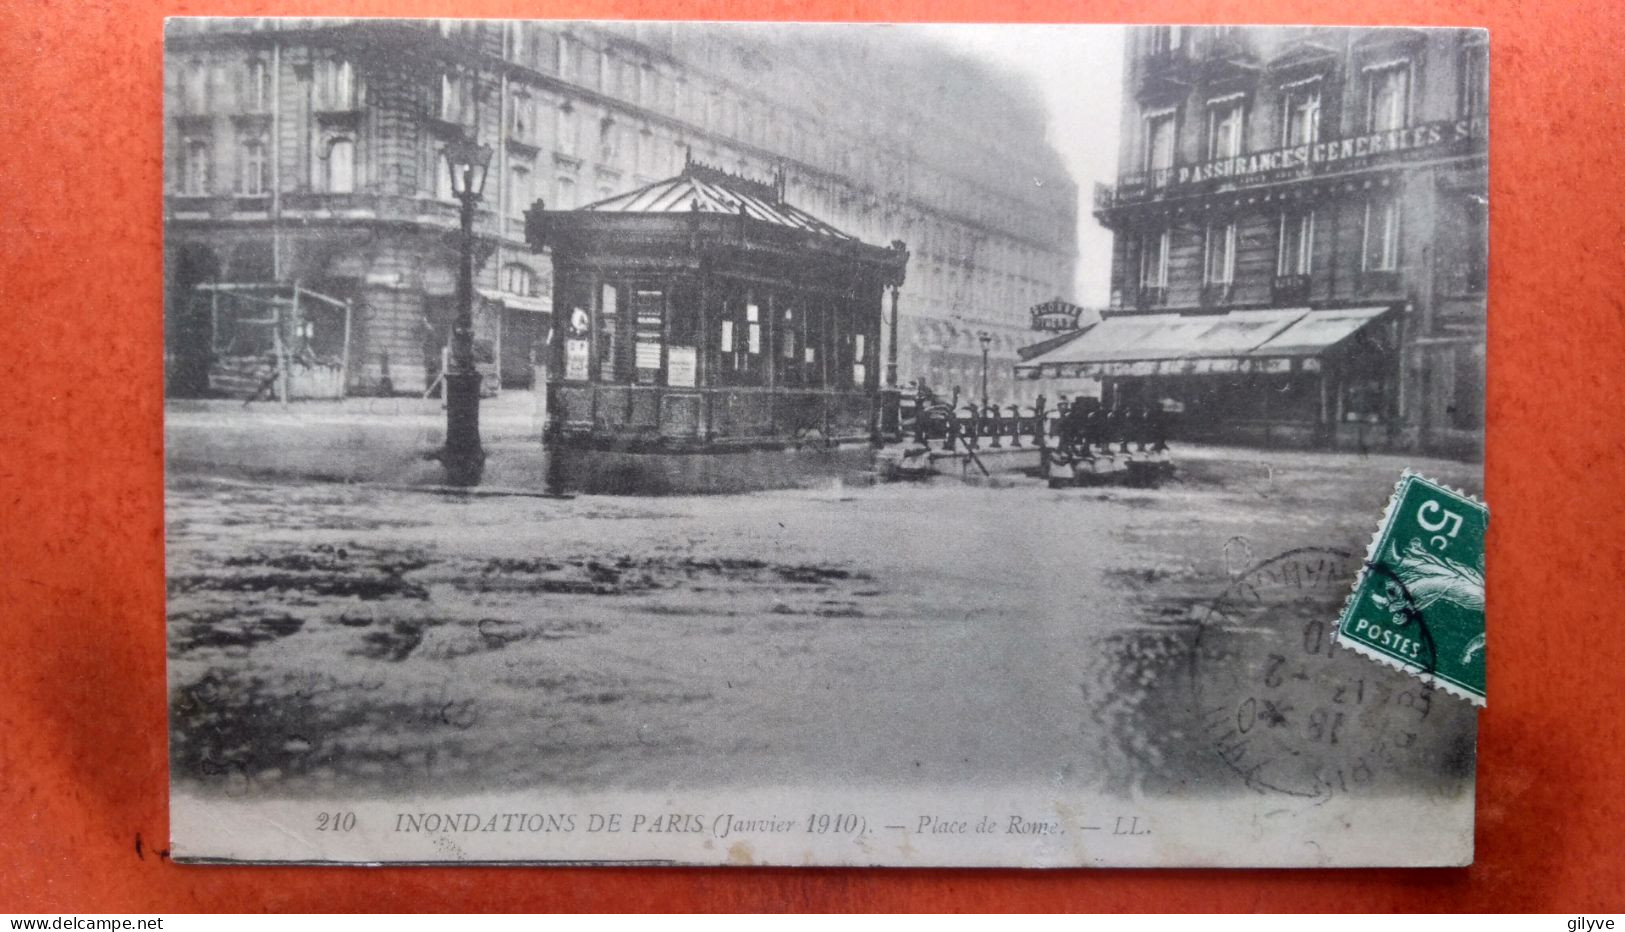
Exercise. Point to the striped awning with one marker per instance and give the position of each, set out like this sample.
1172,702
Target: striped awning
1173,344
518,302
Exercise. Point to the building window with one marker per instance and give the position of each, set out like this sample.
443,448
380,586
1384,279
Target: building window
341,166
566,129
1300,113
1297,250
1476,228
566,57
681,107
519,195
1475,78
1165,39
1219,266
1225,124
1388,97
195,168
564,192
1381,235
252,180
1159,143
257,87
713,111
335,85
1154,260
629,81
520,116
195,88
647,154
518,279
609,139
457,99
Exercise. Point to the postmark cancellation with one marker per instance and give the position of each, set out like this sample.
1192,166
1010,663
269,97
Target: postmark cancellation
1418,603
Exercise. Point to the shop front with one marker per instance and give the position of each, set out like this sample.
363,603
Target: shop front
1289,376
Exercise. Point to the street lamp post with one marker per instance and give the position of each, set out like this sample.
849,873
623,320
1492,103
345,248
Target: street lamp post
463,457
987,340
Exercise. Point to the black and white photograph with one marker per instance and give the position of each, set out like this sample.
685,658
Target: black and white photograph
811,444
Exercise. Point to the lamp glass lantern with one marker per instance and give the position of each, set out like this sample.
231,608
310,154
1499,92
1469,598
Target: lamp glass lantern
468,163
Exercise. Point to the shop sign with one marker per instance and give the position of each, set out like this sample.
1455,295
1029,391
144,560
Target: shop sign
1301,161
681,368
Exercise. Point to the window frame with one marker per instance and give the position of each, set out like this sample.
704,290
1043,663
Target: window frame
330,165
1163,240
565,136
1304,262
335,85
1168,116
1473,64
524,274
256,85
250,167
1392,233
1312,106
196,166
1403,67
1231,104
1228,226
1166,39
195,80
521,187
521,116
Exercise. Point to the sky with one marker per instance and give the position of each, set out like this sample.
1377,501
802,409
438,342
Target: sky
1079,71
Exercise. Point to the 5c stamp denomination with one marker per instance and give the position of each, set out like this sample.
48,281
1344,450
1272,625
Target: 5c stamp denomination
1419,601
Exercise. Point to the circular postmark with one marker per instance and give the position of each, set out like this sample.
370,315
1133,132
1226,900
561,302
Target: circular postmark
1285,710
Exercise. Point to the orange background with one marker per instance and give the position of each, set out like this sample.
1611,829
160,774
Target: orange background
83,777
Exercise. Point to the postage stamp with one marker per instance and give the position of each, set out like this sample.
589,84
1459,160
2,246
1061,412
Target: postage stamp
1419,602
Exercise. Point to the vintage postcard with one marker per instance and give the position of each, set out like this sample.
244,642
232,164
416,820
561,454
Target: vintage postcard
707,443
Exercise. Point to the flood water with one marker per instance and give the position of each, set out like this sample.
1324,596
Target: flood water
328,638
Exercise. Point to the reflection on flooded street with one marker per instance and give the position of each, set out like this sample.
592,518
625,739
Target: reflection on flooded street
324,637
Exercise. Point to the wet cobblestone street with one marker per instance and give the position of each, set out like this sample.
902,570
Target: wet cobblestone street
329,637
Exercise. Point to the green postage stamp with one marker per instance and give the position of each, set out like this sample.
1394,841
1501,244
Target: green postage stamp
1419,602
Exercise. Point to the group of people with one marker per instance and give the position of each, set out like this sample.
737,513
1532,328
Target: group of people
1086,426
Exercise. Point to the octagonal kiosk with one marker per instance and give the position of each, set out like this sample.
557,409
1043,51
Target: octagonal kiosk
709,336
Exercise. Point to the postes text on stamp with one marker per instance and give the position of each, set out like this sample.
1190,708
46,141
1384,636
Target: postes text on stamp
1418,603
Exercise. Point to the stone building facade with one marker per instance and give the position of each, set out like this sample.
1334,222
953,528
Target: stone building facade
308,152
1321,169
